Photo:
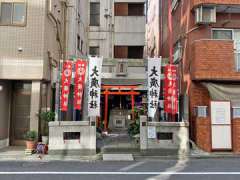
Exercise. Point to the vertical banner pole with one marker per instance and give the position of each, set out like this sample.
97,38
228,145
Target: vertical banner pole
106,111
58,93
133,115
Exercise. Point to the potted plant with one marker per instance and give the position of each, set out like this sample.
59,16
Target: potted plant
134,127
46,117
31,138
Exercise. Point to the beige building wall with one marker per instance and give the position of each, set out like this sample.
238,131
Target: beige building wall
116,30
26,53
28,63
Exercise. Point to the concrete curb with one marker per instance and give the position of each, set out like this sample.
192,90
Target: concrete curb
98,157
47,158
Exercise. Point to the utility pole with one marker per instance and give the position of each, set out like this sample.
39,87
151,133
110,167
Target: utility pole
170,32
170,38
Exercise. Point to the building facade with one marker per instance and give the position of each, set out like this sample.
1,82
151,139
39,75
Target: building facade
206,51
117,33
153,28
35,36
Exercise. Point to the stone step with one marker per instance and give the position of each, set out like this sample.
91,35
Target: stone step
120,150
118,157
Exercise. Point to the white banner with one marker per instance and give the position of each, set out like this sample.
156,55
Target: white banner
154,73
94,87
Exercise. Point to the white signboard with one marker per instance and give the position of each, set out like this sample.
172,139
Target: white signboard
221,125
151,132
154,73
94,86
220,112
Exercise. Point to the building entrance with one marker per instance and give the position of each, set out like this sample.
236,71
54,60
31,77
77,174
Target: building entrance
115,116
118,116
20,114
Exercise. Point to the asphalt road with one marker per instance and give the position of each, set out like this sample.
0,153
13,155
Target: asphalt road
195,169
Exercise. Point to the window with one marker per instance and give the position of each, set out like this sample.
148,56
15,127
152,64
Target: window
131,52
201,111
94,50
136,9
94,14
135,52
236,112
13,14
222,34
129,9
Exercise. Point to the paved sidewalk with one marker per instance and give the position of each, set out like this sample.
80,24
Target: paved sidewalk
17,154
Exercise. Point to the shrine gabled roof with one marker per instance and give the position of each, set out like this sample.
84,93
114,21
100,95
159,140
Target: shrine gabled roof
142,83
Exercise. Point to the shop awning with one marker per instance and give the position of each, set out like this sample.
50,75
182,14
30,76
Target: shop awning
224,92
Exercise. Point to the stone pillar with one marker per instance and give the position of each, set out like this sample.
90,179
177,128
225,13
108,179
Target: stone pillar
92,135
183,138
143,133
35,105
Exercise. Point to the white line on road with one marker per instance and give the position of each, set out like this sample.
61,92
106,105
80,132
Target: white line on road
132,166
118,173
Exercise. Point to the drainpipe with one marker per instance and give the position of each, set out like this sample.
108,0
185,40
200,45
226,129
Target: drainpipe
170,32
57,93
160,11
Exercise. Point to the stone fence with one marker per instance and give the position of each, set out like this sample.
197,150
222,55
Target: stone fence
72,137
164,136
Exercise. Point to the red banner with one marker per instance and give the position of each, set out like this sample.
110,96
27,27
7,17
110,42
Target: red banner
171,90
66,81
80,69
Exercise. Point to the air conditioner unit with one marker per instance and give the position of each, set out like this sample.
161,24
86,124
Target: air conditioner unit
121,68
205,15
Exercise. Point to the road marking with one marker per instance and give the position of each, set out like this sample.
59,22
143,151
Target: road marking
117,173
127,168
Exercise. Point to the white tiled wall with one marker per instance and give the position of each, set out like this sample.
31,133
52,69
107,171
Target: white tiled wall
27,64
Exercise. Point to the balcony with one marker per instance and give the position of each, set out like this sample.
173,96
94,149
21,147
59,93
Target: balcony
215,60
221,4
129,30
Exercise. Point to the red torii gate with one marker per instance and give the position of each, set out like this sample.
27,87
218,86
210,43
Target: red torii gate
107,91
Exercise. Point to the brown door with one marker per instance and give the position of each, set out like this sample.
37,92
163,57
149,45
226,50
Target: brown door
21,101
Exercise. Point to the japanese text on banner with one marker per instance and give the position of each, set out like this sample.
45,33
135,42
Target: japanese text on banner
154,73
79,82
171,90
66,81
94,91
